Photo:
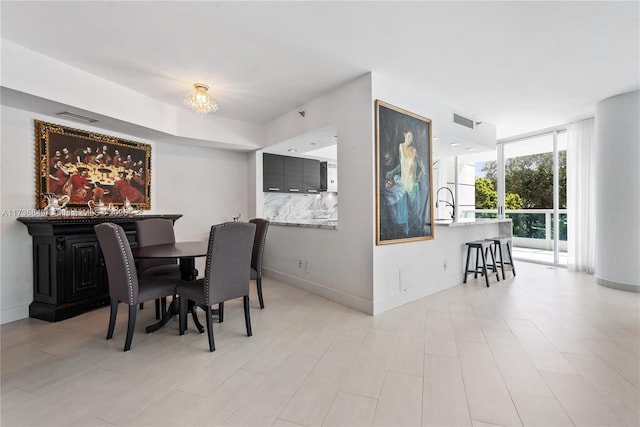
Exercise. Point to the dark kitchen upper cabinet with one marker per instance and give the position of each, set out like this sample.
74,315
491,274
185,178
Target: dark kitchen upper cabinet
272,173
292,174
310,175
286,174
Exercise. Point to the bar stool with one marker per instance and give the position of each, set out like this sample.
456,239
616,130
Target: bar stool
498,242
482,247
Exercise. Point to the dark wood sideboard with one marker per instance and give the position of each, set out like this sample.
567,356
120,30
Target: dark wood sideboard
69,274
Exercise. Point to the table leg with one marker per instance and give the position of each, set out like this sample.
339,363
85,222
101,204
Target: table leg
172,310
196,321
187,272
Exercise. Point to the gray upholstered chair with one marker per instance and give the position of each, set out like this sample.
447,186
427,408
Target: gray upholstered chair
156,231
124,285
262,225
226,275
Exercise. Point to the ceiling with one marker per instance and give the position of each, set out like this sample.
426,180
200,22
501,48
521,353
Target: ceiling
522,66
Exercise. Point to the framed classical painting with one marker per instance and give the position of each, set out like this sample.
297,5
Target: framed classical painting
88,166
403,176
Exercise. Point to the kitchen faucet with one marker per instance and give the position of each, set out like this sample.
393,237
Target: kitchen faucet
452,203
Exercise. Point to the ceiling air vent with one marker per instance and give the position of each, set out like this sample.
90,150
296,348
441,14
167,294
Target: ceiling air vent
463,121
75,116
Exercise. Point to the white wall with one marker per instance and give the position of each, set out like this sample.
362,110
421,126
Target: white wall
346,265
618,192
418,267
341,260
17,191
205,185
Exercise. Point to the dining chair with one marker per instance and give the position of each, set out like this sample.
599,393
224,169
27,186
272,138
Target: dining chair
262,225
124,284
226,276
156,231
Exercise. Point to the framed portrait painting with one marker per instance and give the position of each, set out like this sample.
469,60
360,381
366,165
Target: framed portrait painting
87,166
403,176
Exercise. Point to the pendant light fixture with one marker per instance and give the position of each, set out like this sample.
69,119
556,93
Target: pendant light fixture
200,101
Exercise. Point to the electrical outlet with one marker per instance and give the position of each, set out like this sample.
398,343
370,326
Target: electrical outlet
307,265
299,263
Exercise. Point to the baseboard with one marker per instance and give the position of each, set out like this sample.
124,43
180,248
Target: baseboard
12,314
412,295
619,286
343,298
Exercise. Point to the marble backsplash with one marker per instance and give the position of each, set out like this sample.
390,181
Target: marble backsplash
301,208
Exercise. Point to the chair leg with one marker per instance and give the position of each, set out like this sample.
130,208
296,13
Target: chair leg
221,312
484,266
491,267
495,266
112,317
478,252
194,314
130,327
499,252
161,307
247,316
466,270
212,345
513,267
182,301
259,286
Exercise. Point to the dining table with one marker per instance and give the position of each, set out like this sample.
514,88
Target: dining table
186,253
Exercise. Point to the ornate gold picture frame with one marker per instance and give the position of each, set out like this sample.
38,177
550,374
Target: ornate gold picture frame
86,166
404,204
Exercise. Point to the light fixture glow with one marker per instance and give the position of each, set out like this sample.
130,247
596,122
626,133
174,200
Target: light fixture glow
292,150
200,101
454,144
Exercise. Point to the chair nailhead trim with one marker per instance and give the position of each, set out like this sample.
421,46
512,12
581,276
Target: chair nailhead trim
126,262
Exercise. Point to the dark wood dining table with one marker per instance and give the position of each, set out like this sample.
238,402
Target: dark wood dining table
186,253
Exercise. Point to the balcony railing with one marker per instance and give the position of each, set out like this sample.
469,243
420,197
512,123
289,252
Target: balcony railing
532,228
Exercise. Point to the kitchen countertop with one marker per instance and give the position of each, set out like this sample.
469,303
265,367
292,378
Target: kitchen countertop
333,225
469,221
309,223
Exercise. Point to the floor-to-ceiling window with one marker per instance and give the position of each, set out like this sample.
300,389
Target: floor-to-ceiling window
534,196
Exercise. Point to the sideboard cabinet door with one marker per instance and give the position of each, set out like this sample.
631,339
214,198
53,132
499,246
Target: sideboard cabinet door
85,272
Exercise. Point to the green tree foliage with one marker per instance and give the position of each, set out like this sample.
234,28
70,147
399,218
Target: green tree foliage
487,196
531,178
512,201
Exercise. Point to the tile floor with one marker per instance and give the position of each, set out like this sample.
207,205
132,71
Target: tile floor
547,348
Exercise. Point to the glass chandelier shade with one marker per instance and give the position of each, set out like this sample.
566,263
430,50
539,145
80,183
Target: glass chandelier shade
200,101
